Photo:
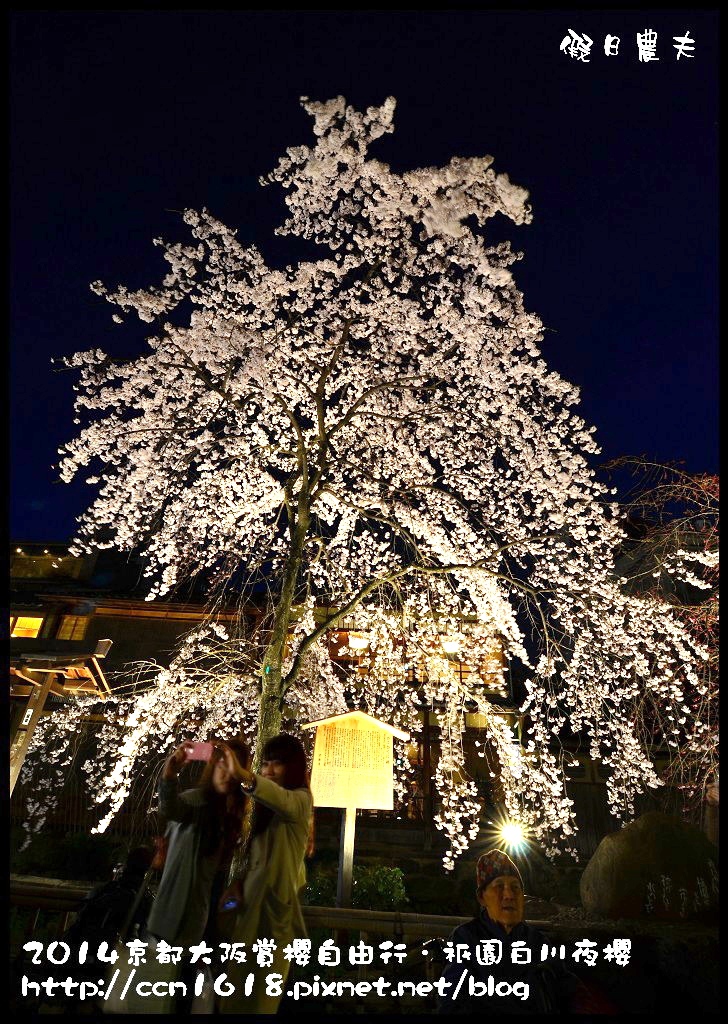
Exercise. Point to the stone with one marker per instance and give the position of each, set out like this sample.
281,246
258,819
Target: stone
656,868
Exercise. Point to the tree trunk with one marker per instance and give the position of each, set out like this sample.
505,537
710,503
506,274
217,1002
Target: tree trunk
271,696
269,725
271,711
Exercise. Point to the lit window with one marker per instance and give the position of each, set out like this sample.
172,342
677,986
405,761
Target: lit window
72,627
25,625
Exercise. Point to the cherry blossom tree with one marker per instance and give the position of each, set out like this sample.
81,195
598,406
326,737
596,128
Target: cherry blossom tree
672,553
372,433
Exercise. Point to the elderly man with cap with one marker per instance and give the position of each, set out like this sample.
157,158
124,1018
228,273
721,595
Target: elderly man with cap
496,965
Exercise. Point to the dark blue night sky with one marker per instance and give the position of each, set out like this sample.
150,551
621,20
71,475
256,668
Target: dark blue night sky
119,119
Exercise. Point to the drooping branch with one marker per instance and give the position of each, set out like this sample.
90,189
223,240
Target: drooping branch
375,428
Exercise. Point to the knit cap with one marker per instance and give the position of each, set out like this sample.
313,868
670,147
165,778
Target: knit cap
492,864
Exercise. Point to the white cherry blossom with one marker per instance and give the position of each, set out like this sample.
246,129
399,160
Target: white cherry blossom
371,434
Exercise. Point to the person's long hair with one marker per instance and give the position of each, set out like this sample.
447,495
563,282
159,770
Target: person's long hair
290,752
225,810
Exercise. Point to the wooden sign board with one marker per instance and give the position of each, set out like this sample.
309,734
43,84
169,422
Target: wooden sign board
353,762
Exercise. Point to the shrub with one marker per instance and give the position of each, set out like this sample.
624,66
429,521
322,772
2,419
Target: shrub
374,887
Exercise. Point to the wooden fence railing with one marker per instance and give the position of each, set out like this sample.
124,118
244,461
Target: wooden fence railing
41,907
48,904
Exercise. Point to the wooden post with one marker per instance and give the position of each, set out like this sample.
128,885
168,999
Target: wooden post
33,710
711,802
346,858
352,767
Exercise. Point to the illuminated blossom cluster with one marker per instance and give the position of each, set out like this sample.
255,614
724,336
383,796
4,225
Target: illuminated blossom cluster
674,557
374,434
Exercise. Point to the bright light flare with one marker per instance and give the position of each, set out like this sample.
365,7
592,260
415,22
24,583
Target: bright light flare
512,834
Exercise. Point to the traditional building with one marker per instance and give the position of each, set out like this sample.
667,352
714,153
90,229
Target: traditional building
68,613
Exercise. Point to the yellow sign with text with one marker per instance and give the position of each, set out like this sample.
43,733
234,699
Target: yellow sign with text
353,762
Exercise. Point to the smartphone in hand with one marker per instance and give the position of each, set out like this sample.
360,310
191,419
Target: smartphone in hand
199,751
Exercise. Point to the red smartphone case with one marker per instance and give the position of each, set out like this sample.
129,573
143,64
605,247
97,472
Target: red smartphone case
199,751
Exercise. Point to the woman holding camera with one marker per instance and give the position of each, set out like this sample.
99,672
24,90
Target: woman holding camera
265,899
204,826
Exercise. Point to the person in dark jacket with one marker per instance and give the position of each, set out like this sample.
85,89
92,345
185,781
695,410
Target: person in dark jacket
104,912
204,826
113,910
519,982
